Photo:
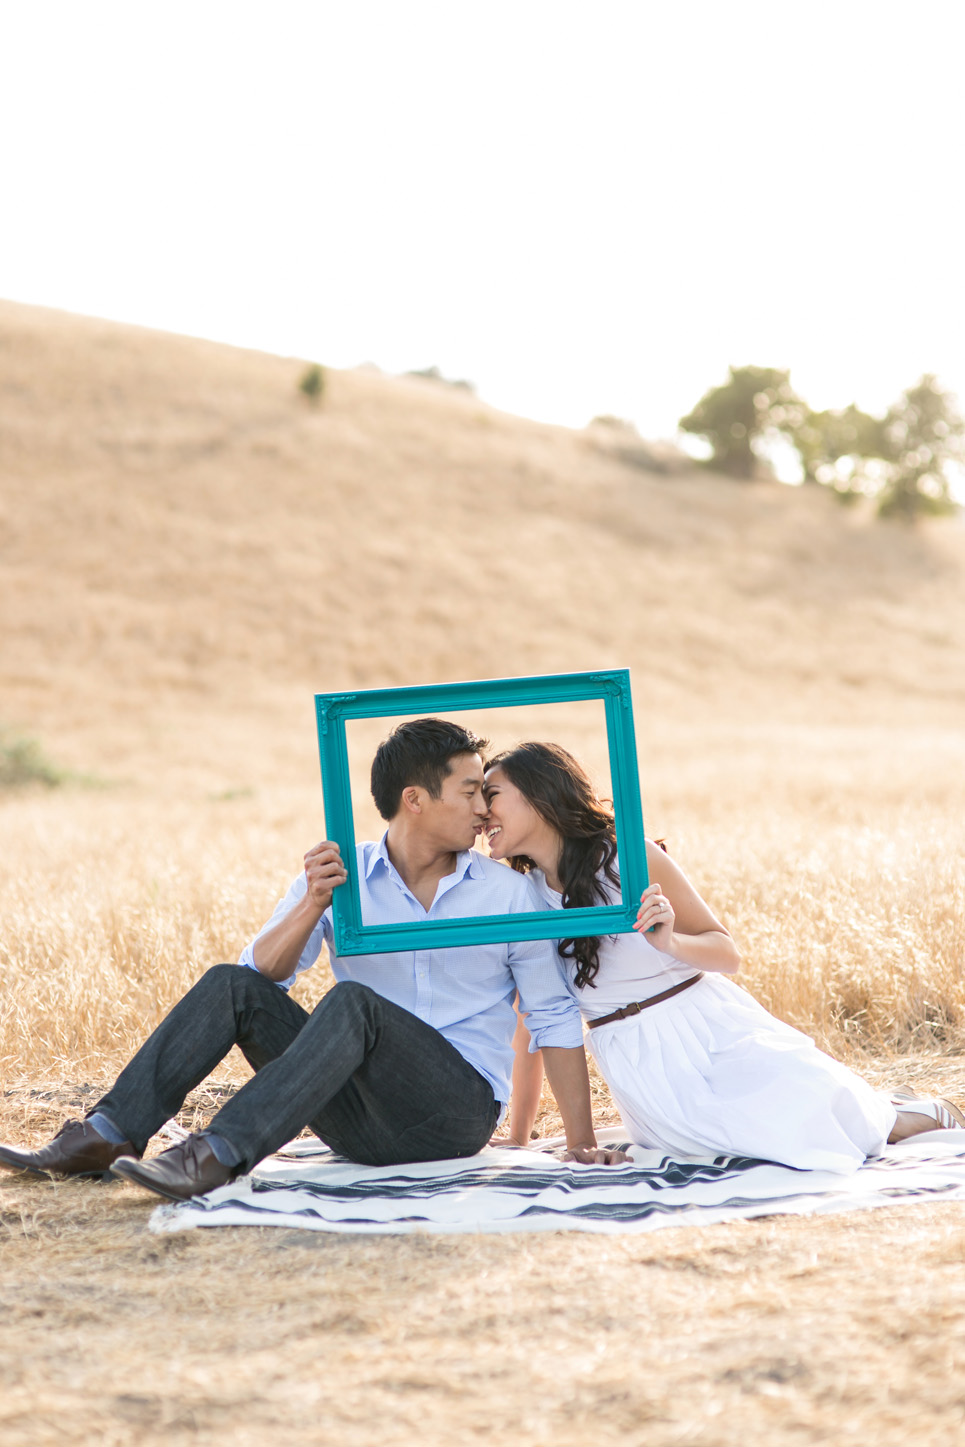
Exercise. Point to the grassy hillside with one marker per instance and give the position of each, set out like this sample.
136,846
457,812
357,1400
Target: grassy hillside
188,551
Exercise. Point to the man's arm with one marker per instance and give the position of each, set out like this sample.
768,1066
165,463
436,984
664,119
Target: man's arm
570,1083
276,953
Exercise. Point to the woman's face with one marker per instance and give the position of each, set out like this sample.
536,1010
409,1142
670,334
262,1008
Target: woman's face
512,825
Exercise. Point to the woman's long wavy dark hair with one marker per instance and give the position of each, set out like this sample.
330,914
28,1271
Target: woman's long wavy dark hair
560,791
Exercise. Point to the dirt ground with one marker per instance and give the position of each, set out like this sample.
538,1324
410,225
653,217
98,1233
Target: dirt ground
785,1330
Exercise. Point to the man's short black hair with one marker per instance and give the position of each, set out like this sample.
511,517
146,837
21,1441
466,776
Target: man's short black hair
419,752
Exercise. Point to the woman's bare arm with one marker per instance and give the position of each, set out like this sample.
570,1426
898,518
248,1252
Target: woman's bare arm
675,919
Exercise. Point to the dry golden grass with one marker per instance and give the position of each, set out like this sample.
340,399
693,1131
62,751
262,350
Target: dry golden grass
187,553
117,904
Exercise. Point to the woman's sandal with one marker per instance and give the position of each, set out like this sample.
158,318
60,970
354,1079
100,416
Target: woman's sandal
935,1107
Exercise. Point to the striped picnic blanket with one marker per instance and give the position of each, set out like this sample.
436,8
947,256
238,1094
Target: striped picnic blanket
509,1189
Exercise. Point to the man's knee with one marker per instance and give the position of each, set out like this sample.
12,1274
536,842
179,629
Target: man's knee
353,992
233,980
351,997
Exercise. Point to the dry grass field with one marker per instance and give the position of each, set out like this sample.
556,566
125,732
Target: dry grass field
188,551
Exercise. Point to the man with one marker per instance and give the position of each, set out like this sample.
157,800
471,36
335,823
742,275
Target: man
407,1058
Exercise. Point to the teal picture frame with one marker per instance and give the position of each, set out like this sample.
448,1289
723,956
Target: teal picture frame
334,710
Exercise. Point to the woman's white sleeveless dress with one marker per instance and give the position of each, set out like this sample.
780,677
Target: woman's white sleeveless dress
709,1071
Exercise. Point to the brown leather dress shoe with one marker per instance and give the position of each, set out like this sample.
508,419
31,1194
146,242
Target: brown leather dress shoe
188,1169
76,1150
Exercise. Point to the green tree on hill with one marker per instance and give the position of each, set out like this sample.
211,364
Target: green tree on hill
841,449
905,460
736,417
923,439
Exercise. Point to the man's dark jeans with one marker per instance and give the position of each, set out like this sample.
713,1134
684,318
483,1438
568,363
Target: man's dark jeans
373,1081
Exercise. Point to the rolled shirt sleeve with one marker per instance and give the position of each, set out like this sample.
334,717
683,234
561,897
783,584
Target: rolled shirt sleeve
552,1014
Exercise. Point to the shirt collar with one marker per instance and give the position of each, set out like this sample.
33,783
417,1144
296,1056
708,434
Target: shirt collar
377,854
474,864
468,861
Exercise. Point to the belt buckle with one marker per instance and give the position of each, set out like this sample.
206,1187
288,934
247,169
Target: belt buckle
634,1008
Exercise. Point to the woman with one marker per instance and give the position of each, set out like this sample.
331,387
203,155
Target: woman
696,1066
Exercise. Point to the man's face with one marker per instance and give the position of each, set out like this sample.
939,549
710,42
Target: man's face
456,818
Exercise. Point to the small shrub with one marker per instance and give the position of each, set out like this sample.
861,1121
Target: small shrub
614,424
433,374
312,384
22,762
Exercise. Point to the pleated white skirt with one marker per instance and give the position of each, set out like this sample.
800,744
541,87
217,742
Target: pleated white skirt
710,1072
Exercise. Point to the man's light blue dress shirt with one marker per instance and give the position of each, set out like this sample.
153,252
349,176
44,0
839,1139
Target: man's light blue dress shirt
466,994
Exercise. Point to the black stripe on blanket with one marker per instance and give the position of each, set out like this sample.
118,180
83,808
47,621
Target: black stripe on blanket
669,1175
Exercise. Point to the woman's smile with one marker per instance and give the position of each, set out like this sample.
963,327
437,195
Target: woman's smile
512,825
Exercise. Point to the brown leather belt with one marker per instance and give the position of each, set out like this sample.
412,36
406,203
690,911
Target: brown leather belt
639,1005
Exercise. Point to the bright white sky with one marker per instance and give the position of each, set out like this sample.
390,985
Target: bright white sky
581,208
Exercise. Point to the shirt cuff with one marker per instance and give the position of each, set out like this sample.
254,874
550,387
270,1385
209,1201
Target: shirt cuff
567,1034
247,961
